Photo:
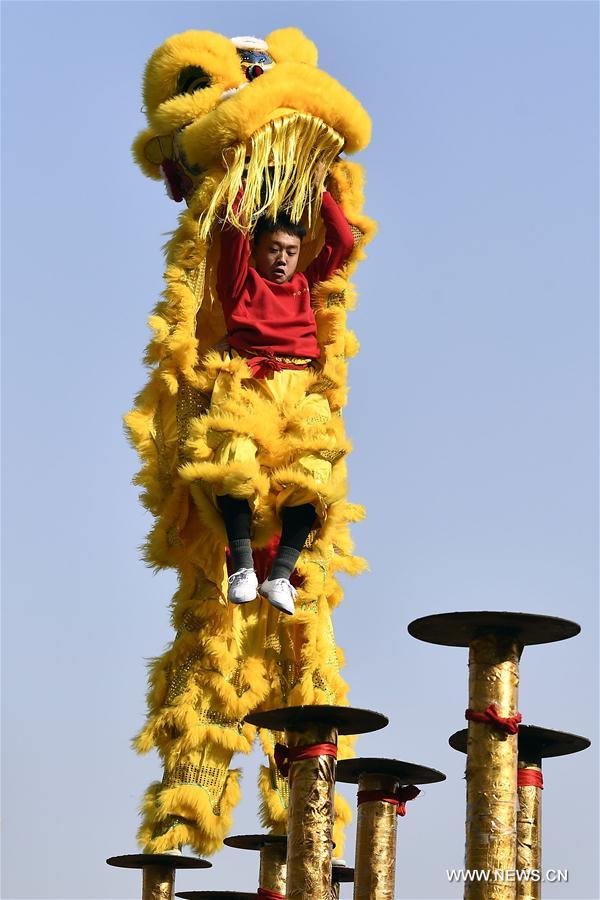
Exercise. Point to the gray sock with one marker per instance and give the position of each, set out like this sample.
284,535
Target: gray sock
284,563
241,554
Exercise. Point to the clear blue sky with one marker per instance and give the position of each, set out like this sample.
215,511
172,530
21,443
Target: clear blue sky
472,409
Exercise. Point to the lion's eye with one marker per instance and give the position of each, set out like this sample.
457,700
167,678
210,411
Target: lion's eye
191,79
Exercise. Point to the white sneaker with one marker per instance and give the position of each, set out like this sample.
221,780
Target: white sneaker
280,593
242,586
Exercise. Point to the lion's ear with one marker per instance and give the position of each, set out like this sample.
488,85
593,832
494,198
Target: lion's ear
147,154
291,45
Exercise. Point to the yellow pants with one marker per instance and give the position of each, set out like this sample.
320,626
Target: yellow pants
267,439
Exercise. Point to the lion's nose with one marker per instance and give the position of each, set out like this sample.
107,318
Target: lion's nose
253,72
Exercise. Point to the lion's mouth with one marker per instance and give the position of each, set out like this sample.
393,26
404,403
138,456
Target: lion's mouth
233,91
283,165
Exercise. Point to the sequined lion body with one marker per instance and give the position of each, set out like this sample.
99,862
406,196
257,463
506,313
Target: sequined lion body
205,134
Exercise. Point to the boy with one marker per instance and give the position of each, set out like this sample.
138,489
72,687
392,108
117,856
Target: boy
270,322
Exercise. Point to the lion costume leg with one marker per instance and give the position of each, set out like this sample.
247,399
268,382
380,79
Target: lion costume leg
210,678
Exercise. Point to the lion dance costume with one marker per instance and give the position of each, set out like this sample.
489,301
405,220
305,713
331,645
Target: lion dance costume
212,125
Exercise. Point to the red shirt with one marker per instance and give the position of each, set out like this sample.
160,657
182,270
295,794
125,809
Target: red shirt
265,318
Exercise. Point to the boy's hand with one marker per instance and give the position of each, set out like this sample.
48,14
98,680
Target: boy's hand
319,175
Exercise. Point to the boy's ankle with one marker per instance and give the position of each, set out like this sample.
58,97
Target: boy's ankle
241,554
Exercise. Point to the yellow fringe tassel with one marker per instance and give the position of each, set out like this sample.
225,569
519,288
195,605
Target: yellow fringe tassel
279,168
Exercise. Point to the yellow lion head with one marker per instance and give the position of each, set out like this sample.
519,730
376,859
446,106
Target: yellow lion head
221,111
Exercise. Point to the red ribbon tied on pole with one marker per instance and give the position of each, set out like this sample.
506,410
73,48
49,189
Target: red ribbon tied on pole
269,895
508,724
285,756
530,778
399,798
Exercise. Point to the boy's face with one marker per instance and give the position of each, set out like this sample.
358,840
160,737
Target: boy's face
276,255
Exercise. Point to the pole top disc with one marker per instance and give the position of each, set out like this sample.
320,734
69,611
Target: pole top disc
255,841
533,742
341,874
216,895
460,629
349,771
346,719
164,860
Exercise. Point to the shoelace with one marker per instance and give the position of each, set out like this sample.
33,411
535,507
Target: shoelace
238,576
284,582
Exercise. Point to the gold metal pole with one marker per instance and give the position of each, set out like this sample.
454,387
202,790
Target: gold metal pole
384,788
375,863
534,744
272,875
310,816
529,833
492,769
158,883
311,783
335,891
272,860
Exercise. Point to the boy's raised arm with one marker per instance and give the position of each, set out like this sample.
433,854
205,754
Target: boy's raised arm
339,242
233,260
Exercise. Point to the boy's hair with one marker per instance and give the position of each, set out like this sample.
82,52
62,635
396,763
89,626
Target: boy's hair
283,223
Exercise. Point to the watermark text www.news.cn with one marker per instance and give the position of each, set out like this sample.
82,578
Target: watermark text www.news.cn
551,876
